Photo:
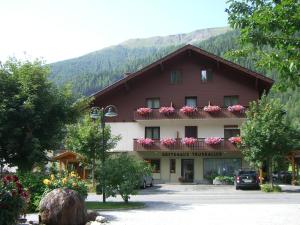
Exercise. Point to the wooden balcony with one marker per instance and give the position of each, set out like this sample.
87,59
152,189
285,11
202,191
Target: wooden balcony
225,145
200,114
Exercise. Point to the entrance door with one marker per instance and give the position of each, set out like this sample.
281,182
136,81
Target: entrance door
187,170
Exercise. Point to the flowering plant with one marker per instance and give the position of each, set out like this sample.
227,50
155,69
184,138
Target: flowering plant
189,141
212,140
212,108
168,141
236,108
144,111
235,140
167,110
145,141
13,199
71,181
188,109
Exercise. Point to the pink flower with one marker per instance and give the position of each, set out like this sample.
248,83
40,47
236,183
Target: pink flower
167,110
144,111
188,109
213,140
168,141
189,141
212,108
236,108
235,140
145,141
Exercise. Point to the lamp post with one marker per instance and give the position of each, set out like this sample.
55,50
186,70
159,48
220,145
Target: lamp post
96,113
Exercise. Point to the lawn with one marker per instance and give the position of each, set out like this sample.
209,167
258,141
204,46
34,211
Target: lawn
114,205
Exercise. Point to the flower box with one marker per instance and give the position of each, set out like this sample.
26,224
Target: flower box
212,108
189,141
213,140
235,140
236,108
144,111
168,141
167,110
188,110
145,141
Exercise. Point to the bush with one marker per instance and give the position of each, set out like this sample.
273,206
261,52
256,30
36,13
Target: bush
34,183
269,188
225,179
211,176
13,200
71,181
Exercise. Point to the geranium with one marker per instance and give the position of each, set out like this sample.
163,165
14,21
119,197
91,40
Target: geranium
145,141
144,111
236,108
212,108
235,140
168,141
188,109
213,140
189,141
167,110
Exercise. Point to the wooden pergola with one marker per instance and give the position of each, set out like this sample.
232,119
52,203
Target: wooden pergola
70,161
294,158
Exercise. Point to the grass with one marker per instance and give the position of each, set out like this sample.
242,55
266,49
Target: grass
114,205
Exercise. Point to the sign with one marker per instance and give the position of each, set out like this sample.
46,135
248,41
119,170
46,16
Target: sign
186,154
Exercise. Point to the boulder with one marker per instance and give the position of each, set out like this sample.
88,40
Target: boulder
62,207
100,219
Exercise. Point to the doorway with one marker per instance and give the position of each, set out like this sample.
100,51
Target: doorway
187,170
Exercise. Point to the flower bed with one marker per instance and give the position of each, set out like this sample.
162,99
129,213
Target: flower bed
212,108
168,141
236,108
189,141
167,110
145,141
144,111
188,109
235,140
213,140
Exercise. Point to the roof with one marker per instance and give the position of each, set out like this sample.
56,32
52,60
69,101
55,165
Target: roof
65,154
267,81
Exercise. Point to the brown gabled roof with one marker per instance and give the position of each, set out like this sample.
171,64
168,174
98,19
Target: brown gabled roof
267,81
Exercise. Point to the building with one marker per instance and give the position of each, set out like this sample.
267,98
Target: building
187,77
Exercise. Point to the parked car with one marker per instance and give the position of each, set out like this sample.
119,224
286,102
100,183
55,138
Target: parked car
284,177
246,179
146,181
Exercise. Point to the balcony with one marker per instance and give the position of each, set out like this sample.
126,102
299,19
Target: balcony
200,114
200,145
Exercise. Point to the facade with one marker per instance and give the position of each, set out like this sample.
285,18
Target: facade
187,77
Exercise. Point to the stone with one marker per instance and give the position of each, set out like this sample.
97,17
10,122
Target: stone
100,219
63,206
95,223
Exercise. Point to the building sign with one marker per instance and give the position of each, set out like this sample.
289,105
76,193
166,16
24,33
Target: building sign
186,154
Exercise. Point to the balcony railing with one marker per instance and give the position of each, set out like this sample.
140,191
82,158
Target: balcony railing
200,145
200,114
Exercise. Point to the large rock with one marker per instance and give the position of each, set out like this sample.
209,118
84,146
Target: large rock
63,207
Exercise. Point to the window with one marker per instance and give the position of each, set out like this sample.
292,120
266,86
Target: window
191,101
231,131
176,77
206,75
152,132
172,165
231,100
155,165
153,103
224,167
191,131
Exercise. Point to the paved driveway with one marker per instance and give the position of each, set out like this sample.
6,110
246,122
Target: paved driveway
210,205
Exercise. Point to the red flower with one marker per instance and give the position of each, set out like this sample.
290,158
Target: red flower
15,178
8,178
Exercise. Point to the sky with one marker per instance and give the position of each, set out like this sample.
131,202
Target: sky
55,30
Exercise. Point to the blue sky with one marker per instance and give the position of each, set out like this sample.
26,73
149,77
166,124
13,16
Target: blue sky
62,29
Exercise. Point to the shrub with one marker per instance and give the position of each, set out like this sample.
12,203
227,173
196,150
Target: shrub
211,176
225,179
13,200
269,188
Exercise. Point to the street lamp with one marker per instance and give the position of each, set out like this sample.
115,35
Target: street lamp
96,113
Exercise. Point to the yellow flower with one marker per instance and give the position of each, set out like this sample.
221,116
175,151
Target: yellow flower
73,174
47,182
52,177
74,184
64,180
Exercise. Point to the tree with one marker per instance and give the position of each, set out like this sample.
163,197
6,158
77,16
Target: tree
123,175
85,138
33,113
270,36
266,134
